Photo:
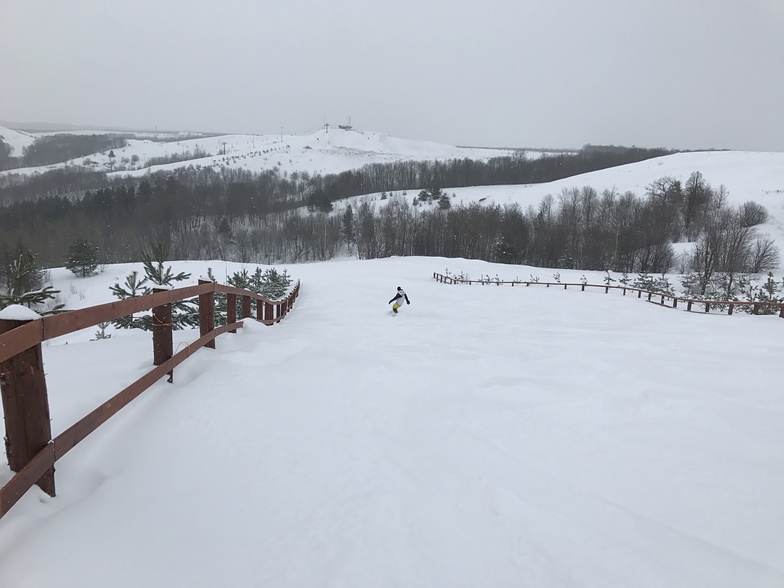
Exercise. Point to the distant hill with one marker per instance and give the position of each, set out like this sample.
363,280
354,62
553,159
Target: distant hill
323,152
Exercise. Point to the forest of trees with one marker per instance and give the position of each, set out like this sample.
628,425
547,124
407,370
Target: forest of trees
203,213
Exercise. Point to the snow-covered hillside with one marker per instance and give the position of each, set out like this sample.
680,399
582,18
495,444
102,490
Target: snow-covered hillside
16,140
487,436
746,176
323,152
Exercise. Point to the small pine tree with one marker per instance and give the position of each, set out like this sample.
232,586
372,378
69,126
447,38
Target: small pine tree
663,285
240,280
101,333
271,284
184,313
690,285
644,282
22,273
132,288
25,279
82,258
32,299
155,271
767,292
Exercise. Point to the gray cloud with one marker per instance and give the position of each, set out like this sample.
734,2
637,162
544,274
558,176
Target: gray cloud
536,73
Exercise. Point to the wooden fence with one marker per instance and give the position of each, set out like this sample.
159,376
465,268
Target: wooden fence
30,448
660,298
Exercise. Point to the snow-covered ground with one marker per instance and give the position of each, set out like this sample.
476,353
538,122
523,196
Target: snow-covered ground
487,436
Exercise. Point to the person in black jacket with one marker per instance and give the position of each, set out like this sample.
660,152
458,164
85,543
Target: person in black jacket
398,299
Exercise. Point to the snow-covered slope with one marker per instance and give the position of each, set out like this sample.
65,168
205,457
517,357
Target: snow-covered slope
756,176
487,436
322,152
746,175
17,140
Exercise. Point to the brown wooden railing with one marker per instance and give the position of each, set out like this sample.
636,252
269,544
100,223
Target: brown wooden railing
30,448
661,299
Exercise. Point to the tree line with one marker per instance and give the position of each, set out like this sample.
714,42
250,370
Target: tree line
193,208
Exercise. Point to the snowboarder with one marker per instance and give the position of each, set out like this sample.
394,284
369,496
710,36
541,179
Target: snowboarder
398,299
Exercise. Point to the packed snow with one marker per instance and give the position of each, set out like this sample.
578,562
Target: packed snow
486,436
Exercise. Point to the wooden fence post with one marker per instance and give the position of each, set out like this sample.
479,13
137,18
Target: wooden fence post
246,306
259,310
269,312
231,310
26,408
207,313
162,345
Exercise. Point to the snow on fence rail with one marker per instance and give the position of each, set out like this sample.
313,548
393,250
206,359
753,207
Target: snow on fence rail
664,299
30,448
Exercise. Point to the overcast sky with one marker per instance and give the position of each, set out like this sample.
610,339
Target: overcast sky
504,73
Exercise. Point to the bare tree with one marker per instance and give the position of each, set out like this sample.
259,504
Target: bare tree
765,255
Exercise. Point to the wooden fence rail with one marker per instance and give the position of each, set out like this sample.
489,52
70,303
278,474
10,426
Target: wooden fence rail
662,299
30,448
